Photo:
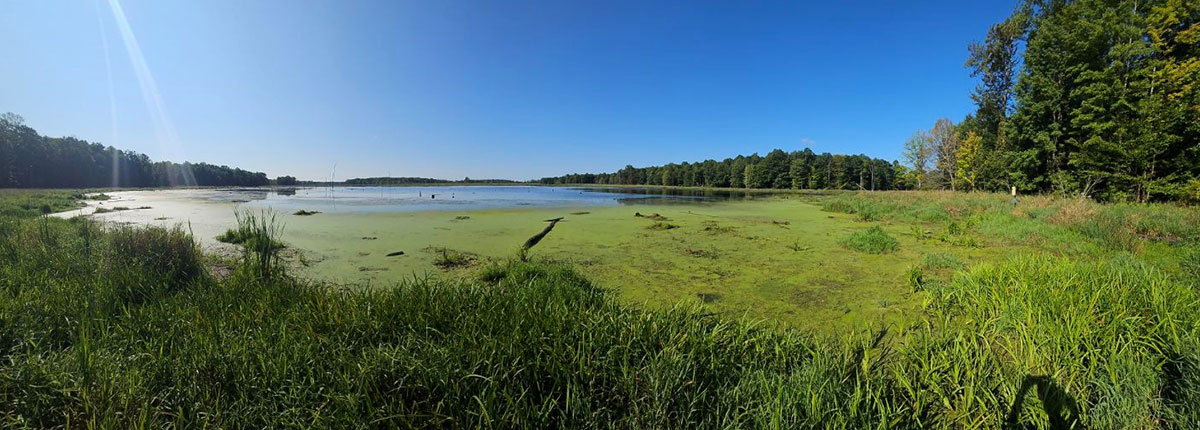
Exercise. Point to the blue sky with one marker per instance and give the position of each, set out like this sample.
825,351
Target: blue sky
504,89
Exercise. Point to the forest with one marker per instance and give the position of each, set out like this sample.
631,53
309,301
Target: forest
30,160
421,181
778,169
1089,98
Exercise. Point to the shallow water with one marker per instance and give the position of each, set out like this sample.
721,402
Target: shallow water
209,212
454,198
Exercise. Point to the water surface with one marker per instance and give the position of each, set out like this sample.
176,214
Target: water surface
455,198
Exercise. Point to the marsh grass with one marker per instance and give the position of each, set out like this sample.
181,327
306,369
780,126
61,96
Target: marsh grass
872,241
1189,265
259,236
941,261
446,258
1040,220
916,278
104,327
537,345
32,203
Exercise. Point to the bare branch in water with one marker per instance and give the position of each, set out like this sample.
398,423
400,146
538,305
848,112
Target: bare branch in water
538,237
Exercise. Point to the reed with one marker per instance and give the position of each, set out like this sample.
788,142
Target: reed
259,236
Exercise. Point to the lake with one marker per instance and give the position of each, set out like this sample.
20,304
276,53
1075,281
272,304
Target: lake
208,212
455,198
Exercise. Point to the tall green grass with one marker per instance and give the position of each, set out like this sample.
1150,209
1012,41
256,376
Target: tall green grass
872,241
32,203
1040,219
259,236
113,327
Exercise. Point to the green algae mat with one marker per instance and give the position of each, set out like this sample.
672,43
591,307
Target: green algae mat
783,259
778,258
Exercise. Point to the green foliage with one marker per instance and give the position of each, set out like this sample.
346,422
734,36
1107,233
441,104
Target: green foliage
873,241
1104,104
778,170
258,234
421,181
919,153
941,261
1110,344
916,278
1066,222
146,262
114,327
1102,101
1127,322
30,160
30,203
1189,265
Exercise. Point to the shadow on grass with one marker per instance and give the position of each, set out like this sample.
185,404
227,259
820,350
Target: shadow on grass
1061,409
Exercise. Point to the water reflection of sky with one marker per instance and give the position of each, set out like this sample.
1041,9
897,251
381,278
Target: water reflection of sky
411,199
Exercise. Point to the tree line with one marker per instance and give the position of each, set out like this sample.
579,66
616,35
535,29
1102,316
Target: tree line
387,180
778,169
30,160
1091,98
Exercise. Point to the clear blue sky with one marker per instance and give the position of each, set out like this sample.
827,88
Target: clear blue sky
506,89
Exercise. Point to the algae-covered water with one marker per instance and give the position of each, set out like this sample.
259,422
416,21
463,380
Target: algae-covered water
209,212
776,257
454,198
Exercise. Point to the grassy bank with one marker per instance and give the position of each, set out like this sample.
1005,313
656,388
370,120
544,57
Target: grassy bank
28,203
125,327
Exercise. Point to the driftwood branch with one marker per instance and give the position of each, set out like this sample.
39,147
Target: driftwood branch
538,237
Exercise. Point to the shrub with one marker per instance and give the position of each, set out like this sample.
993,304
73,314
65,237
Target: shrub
872,241
1191,191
